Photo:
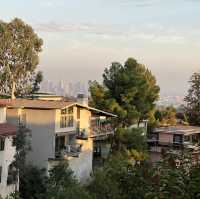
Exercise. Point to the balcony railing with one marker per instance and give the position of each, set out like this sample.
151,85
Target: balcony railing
101,130
82,134
69,151
155,142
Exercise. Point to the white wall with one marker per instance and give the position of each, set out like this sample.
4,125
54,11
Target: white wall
6,158
2,114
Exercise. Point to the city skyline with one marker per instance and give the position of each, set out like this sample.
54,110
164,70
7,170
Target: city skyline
81,38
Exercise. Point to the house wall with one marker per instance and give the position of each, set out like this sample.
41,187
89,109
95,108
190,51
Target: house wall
82,166
42,126
6,158
2,114
166,137
12,115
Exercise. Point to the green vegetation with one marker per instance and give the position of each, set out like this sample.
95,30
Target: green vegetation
192,100
166,116
120,178
129,91
19,48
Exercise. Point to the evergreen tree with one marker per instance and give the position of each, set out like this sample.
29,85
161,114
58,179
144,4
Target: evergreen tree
192,100
130,91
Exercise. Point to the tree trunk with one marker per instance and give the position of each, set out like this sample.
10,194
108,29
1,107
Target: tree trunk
13,87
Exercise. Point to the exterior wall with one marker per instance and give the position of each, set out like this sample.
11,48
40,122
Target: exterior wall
165,137
6,158
2,114
82,166
42,125
13,115
85,117
154,156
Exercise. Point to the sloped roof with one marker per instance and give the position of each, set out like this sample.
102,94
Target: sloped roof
4,102
7,129
49,104
38,104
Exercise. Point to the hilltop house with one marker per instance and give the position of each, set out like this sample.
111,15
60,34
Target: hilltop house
174,139
8,174
60,130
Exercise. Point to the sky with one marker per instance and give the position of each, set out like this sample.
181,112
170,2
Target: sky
82,37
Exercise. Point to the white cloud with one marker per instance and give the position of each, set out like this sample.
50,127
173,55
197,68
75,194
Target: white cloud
150,32
51,3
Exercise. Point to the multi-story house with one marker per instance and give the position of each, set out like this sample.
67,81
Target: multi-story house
60,130
8,173
174,139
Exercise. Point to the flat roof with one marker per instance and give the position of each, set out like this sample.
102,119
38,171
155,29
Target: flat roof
179,129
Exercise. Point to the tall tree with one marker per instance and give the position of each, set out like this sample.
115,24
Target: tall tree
166,116
19,48
130,91
192,100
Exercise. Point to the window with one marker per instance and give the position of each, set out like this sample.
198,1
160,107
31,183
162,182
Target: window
2,143
177,139
22,119
67,118
60,143
14,141
0,173
12,174
78,113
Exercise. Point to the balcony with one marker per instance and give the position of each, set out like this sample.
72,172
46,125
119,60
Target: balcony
82,134
69,151
101,132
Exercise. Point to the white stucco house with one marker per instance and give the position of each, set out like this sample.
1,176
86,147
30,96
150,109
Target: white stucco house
60,130
8,175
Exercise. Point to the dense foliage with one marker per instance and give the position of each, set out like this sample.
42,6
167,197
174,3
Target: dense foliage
166,116
192,100
130,91
120,178
19,48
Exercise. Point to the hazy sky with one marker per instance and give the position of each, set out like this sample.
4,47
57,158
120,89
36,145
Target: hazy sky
82,37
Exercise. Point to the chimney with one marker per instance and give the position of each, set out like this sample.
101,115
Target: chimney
82,99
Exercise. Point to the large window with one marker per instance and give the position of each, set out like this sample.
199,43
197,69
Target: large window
0,173
12,174
67,118
14,140
2,143
178,139
22,119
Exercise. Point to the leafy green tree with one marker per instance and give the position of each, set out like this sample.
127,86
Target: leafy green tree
23,146
62,184
194,182
130,139
166,116
130,91
33,184
192,100
120,178
19,48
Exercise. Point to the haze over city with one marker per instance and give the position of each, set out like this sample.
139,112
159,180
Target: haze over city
82,37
